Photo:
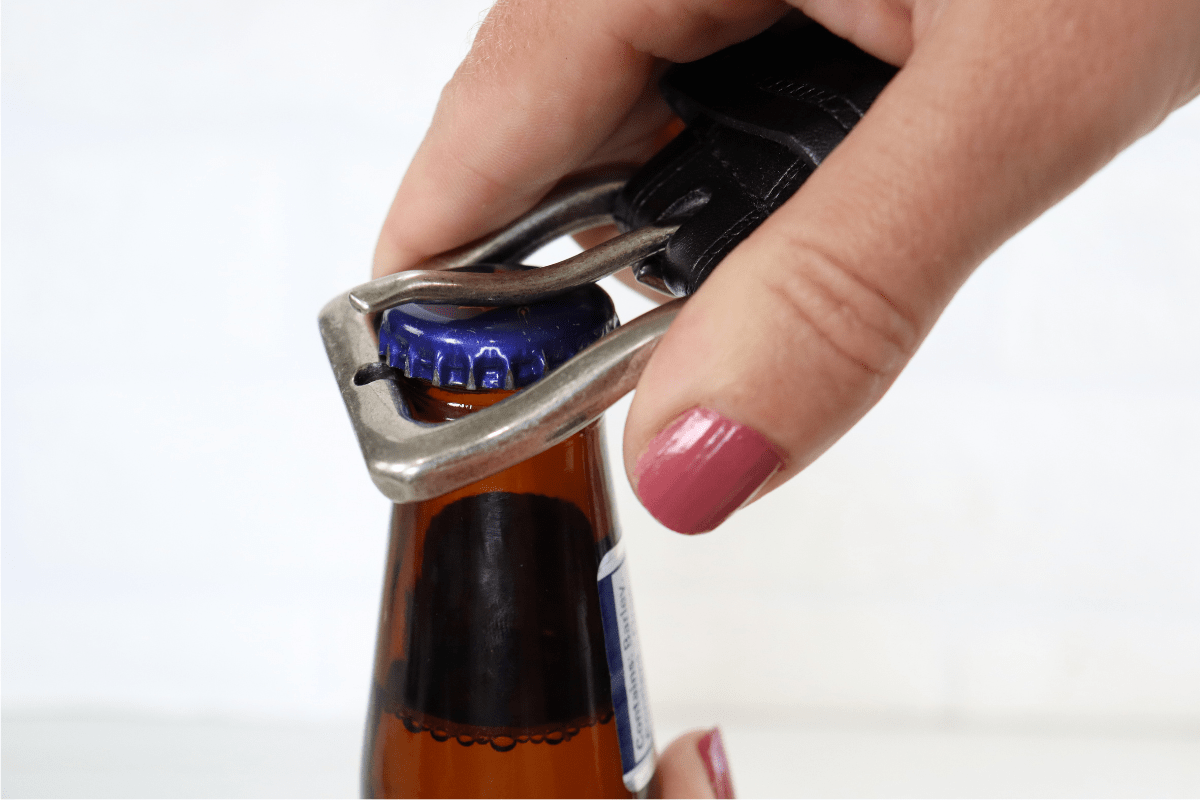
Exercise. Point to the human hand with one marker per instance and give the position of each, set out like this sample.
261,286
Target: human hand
694,765
999,110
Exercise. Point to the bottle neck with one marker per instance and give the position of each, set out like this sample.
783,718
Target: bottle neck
492,634
574,470
429,403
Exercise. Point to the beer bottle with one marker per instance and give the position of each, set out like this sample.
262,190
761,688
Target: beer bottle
507,662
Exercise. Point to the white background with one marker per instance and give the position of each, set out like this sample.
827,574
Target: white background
1007,546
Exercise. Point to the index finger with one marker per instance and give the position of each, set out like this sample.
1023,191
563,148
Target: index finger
548,88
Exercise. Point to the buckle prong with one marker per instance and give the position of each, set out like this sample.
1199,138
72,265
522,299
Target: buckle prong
507,288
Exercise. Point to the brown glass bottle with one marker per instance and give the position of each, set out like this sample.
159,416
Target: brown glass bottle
491,676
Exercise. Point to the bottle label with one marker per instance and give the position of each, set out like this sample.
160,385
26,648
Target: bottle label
630,705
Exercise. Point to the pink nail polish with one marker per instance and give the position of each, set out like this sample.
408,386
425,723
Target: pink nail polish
712,753
702,468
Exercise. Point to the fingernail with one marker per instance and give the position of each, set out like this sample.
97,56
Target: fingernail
712,753
701,469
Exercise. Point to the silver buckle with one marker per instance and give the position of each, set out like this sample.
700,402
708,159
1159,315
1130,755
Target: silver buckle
410,460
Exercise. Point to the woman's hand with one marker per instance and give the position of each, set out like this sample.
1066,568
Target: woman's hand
1001,108
694,765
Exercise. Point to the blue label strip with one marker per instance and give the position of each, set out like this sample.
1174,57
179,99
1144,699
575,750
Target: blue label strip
623,651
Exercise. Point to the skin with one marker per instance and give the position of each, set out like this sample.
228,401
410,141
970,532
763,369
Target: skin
1000,109
681,769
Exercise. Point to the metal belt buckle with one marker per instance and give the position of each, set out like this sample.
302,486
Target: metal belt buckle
410,460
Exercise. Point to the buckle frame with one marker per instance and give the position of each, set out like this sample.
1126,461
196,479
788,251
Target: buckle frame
410,460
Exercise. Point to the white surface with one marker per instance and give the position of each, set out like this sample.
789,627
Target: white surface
1009,538
128,755
107,755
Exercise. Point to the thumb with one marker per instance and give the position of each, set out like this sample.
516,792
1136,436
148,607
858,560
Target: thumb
807,323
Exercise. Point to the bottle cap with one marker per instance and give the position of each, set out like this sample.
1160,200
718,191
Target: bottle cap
493,348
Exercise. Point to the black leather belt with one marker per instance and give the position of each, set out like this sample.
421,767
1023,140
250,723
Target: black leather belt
761,116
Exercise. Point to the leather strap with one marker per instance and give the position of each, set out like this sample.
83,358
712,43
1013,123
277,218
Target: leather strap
761,116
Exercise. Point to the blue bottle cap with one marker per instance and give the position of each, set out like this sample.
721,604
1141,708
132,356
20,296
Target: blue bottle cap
493,348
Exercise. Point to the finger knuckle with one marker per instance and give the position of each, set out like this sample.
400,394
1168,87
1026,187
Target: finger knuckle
854,318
